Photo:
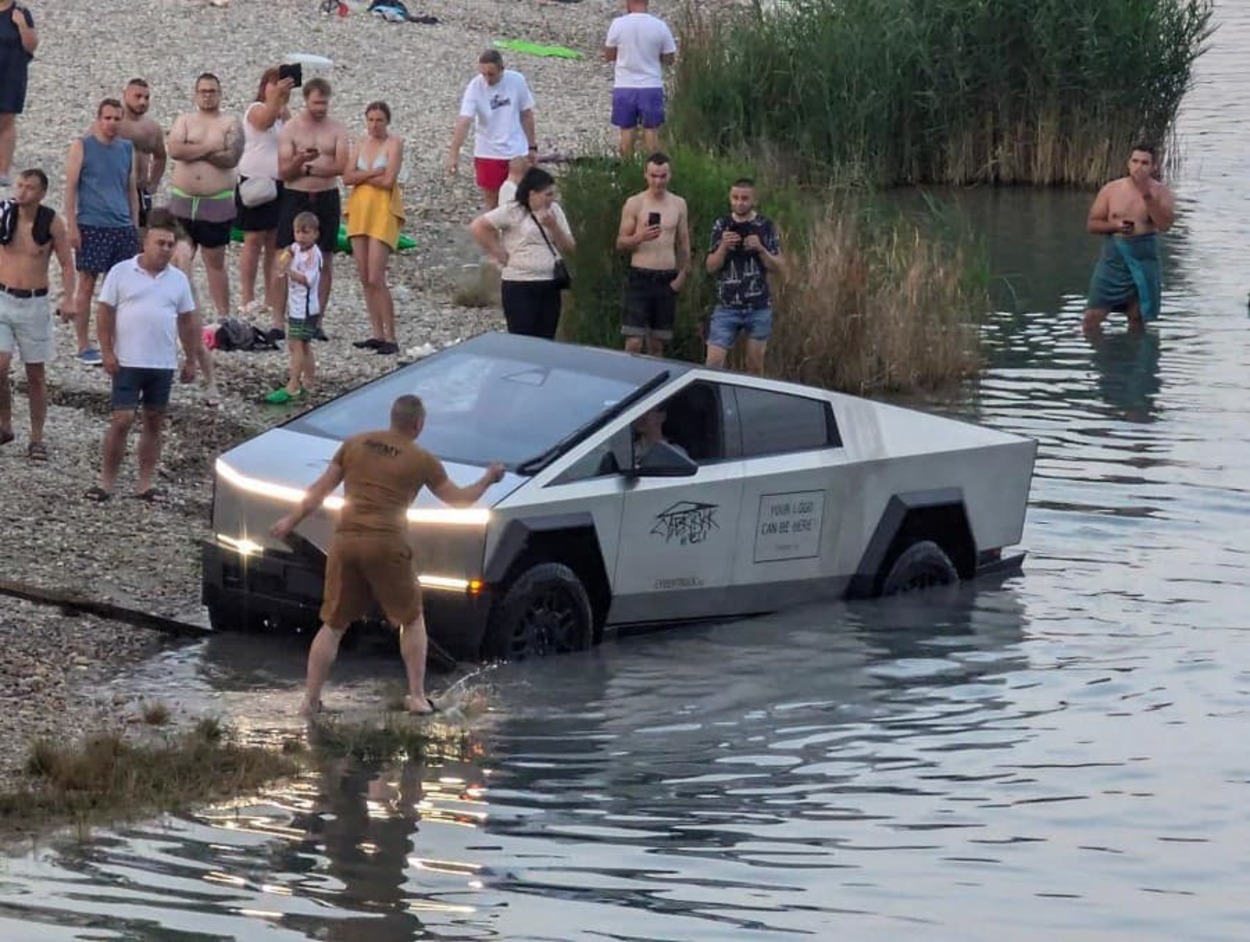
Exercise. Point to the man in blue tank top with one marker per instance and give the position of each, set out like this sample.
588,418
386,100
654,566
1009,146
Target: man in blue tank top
101,210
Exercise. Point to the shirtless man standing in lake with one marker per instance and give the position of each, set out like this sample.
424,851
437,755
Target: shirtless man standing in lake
206,146
29,234
655,230
312,153
149,141
1129,213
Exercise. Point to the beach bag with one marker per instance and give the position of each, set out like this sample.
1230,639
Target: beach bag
393,11
234,333
257,191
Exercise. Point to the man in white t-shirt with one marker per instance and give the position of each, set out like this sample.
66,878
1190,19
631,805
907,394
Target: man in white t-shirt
499,104
145,308
641,45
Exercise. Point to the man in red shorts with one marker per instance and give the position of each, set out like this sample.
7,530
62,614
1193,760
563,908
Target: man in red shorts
370,559
500,106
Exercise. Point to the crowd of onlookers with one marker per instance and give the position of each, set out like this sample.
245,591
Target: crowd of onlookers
271,176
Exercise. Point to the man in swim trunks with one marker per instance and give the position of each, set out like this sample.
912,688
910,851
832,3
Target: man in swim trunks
639,45
148,140
499,106
30,233
206,145
655,230
370,557
1129,213
312,153
101,209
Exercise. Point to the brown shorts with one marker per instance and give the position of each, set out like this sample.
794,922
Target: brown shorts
362,569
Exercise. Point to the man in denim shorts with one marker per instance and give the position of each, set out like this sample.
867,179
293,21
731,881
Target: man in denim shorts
145,308
745,250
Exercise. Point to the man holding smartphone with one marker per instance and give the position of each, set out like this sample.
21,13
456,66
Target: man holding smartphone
745,250
312,153
1129,213
655,230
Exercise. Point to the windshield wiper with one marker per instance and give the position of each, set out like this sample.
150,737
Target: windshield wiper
542,459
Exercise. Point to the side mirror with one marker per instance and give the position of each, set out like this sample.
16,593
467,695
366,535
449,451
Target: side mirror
663,460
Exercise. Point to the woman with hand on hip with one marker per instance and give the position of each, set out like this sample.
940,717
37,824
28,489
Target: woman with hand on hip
375,211
259,191
529,238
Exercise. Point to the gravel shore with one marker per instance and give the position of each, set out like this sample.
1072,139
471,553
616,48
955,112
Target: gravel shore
146,556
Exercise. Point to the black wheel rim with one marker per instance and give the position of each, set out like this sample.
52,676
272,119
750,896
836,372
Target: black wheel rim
549,624
924,577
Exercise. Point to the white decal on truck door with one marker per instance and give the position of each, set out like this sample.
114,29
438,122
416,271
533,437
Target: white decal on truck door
788,526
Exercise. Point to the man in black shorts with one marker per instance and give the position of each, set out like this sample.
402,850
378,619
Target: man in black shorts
655,230
312,152
206,145
144,302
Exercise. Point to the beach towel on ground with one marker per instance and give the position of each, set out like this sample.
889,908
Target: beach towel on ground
537,49
1128,270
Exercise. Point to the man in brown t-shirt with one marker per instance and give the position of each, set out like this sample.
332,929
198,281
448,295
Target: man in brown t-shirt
381,473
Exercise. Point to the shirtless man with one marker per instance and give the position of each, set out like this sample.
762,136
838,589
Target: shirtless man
1129,213
655,230
29,234
148,139
206,146
312,153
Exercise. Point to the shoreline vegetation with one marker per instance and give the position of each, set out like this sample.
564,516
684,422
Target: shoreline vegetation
111,777
827,102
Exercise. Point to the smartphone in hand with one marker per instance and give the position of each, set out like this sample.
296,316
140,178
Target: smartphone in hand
653,219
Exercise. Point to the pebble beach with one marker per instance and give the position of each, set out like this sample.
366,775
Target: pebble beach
146,556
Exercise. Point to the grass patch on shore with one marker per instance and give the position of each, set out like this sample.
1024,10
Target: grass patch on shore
117,776
938,91
110,777
873,301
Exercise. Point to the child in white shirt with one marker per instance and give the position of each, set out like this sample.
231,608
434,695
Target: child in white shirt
301,265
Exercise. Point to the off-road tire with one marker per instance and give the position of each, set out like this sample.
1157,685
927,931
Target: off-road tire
543,611
922,565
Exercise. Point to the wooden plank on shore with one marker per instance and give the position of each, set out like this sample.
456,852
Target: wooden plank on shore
41,595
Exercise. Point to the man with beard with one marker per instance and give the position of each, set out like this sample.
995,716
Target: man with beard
148,140
206,145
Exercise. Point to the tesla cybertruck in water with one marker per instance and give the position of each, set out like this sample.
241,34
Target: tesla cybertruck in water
759,495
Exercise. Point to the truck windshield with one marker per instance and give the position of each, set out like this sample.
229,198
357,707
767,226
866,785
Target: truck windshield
480,407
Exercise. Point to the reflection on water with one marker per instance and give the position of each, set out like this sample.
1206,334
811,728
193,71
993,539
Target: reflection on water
1054,758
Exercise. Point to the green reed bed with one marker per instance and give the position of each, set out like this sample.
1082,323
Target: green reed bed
938,91
874,301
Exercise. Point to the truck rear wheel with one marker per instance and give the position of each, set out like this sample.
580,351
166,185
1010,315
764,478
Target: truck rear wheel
922,565
544,611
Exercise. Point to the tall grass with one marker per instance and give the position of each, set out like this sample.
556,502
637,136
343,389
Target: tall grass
939,91
873,301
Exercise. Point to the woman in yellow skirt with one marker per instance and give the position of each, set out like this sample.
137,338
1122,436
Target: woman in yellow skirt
375,211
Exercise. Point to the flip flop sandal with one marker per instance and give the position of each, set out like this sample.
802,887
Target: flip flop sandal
152,496
37,451
98,495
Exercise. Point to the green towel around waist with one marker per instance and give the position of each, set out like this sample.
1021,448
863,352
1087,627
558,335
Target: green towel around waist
1128,270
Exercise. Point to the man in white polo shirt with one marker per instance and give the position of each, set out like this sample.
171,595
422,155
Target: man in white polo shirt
498,101
641,45
145,308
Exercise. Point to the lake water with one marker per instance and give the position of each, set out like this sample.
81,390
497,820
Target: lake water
1061,757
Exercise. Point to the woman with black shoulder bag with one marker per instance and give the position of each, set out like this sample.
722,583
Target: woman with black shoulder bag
529,238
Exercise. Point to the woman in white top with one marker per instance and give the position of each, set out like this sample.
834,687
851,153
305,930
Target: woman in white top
259,192
527,237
